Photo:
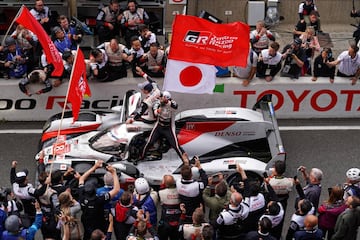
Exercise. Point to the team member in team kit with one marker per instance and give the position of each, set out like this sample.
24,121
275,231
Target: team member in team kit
108,21
132,18
269,62
349,63
247,73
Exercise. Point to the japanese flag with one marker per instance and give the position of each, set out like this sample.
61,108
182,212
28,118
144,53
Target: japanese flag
187,77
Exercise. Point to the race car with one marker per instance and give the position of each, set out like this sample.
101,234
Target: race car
89,120
220,137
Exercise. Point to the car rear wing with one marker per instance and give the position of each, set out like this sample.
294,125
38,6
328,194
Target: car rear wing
266,107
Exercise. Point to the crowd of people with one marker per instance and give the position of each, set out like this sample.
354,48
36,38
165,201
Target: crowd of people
126,42
69,205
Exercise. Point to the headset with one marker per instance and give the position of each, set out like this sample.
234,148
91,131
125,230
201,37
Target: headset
328,51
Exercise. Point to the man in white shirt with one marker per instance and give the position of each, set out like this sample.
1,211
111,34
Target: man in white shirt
349,63
269,62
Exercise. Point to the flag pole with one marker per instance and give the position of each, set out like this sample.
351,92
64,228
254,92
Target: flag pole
63,110
11,25
68,90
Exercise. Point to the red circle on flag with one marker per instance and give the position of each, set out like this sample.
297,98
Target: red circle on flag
190,76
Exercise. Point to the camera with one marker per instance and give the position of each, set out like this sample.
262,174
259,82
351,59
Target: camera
290,52
215,177
105,165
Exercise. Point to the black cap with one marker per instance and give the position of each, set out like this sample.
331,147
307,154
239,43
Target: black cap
297,41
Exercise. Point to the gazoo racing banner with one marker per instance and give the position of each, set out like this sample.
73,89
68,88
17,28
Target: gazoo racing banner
200,41
292,99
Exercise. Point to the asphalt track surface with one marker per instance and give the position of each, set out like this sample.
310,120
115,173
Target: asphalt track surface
331,145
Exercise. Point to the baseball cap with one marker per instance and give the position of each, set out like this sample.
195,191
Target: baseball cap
297,41
21,176
56,29
146,86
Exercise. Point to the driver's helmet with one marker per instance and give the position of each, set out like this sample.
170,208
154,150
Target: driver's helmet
353,174
142,186
166,95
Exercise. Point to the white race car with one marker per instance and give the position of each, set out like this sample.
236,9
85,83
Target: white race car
89,120
221,137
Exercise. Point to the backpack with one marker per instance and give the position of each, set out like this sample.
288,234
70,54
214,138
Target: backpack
25,219
122,213
75,229
355,190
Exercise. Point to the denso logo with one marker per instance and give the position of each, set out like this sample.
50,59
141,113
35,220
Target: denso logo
200,38
227,134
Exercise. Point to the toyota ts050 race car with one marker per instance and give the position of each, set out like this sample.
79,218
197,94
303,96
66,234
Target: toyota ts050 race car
89,120
221,137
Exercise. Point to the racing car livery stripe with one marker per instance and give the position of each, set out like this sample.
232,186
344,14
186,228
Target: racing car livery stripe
192,130
84,129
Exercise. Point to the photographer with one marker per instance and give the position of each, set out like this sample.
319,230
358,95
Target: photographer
321,69
93,206
71,30
311,45
216,195
16,61
294,56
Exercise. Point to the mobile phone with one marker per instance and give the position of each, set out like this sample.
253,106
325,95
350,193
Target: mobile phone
104,165
265,175
215,177
232,166
295,177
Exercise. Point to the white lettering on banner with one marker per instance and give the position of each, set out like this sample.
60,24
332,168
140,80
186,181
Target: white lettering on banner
209,39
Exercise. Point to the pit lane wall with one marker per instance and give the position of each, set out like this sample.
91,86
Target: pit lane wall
300,99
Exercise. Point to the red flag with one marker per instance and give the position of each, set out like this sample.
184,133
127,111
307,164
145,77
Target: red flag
198,40
52,54
79,86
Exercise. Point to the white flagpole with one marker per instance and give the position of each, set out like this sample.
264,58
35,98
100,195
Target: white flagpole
68,89
63,110
11,25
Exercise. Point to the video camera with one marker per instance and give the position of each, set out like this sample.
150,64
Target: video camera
290,52
4,192
81,28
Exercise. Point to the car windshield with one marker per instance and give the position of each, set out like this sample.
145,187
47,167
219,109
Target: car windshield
111,140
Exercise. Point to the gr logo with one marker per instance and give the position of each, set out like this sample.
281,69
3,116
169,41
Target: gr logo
197,37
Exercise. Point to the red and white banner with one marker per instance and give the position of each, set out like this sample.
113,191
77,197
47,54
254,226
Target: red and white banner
177,1
189,77
198,40
79,86
52,54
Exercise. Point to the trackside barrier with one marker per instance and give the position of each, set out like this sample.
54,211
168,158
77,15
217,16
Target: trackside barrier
299,98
